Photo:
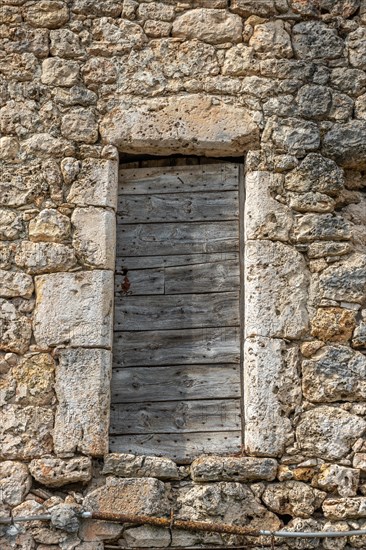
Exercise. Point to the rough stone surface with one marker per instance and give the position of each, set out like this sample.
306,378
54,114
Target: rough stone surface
215,468
49,225
334,478
292,135
47,13
328,432
128,465
345,282
94,236
35,379
60,72
65,518
315,40
15,482
95,184
272,39
80,305
80,125
209,25
15,283
293,498
345,143
15,328
83,395
11,225
333,324
56,472
345,508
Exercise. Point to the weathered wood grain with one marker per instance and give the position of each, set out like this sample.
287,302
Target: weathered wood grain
178,207
206,277
177,238
141,384
142,282
139,313
175,416
177,347
183,179
180,447
149,262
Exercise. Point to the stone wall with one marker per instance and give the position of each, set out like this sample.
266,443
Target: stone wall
281,80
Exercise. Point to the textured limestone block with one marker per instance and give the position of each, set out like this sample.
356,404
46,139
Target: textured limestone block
49,225
25,432
239,61
65,44
348,81
115,37
328,432
15,283
92,530
96,184
146,537
310,202
50,14
19,186
43,257
70,168
271,392
111,8
15,482
55,472
15,329
272,40
360,107
128,465
316,40
157,11
232,503
265,218
83,395
79,124
65,517
336,373
9,148
11,225
293,498
277,289
346,144
35,378
264,8
345,508
97,71
94,236
209,25
59,72
157,29
139,496
244,469
314,101
292,135
359,462
359,336
74,308
191,122
356,45
346,282
334,478
333,324
322,249
321,227
45,145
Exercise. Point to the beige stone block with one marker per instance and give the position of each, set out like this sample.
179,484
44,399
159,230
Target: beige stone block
129,465
276,279
83,394
241,469
293,498
15,328
15,283
271,40
194,124
80,125
59,72
43,257
35,379
49,225
15,482
96,184
56,472
47,13
74,308
94,237
209,25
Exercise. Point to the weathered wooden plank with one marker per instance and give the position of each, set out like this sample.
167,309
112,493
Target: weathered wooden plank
179,311
141,384
177,347
140,282
175,416
177,238
149,262
209,277
209,177
180,447
178,207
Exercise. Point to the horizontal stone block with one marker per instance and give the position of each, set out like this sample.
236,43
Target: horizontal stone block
96,184
42,257
293,498
345,508
74,308
209,25
128,465
83,395
15,283
56,472
192,123
94,237
243,469
346,144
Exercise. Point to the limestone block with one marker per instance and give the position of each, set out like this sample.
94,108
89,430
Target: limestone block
97,71
25,432
209,25
346,282
359,462
335,373
95,530
6,252
346,144
292,135
70,168
265,218
35,379
317,174
321,227
146,536
15,329
49,225
111,8
316,40
232,503
310,202
65,517
322,249
11,225
360,107
65,44
328,432
314,101
356,48
59,72
271,392
244,469
156,10
74,308
43,257
191,123
145,496
96,184
333,324
293,498
45,145
264,8
239,61
345,508
157,29
79,124
342,107
19,186
50,14
15,482
83,395
94,236
19,118
359,336
9,148
15,283
128,465
115,37
334,478
272,40
76,95
349,81
56,472
276,279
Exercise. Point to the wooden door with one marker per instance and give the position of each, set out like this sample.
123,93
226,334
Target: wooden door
176,386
